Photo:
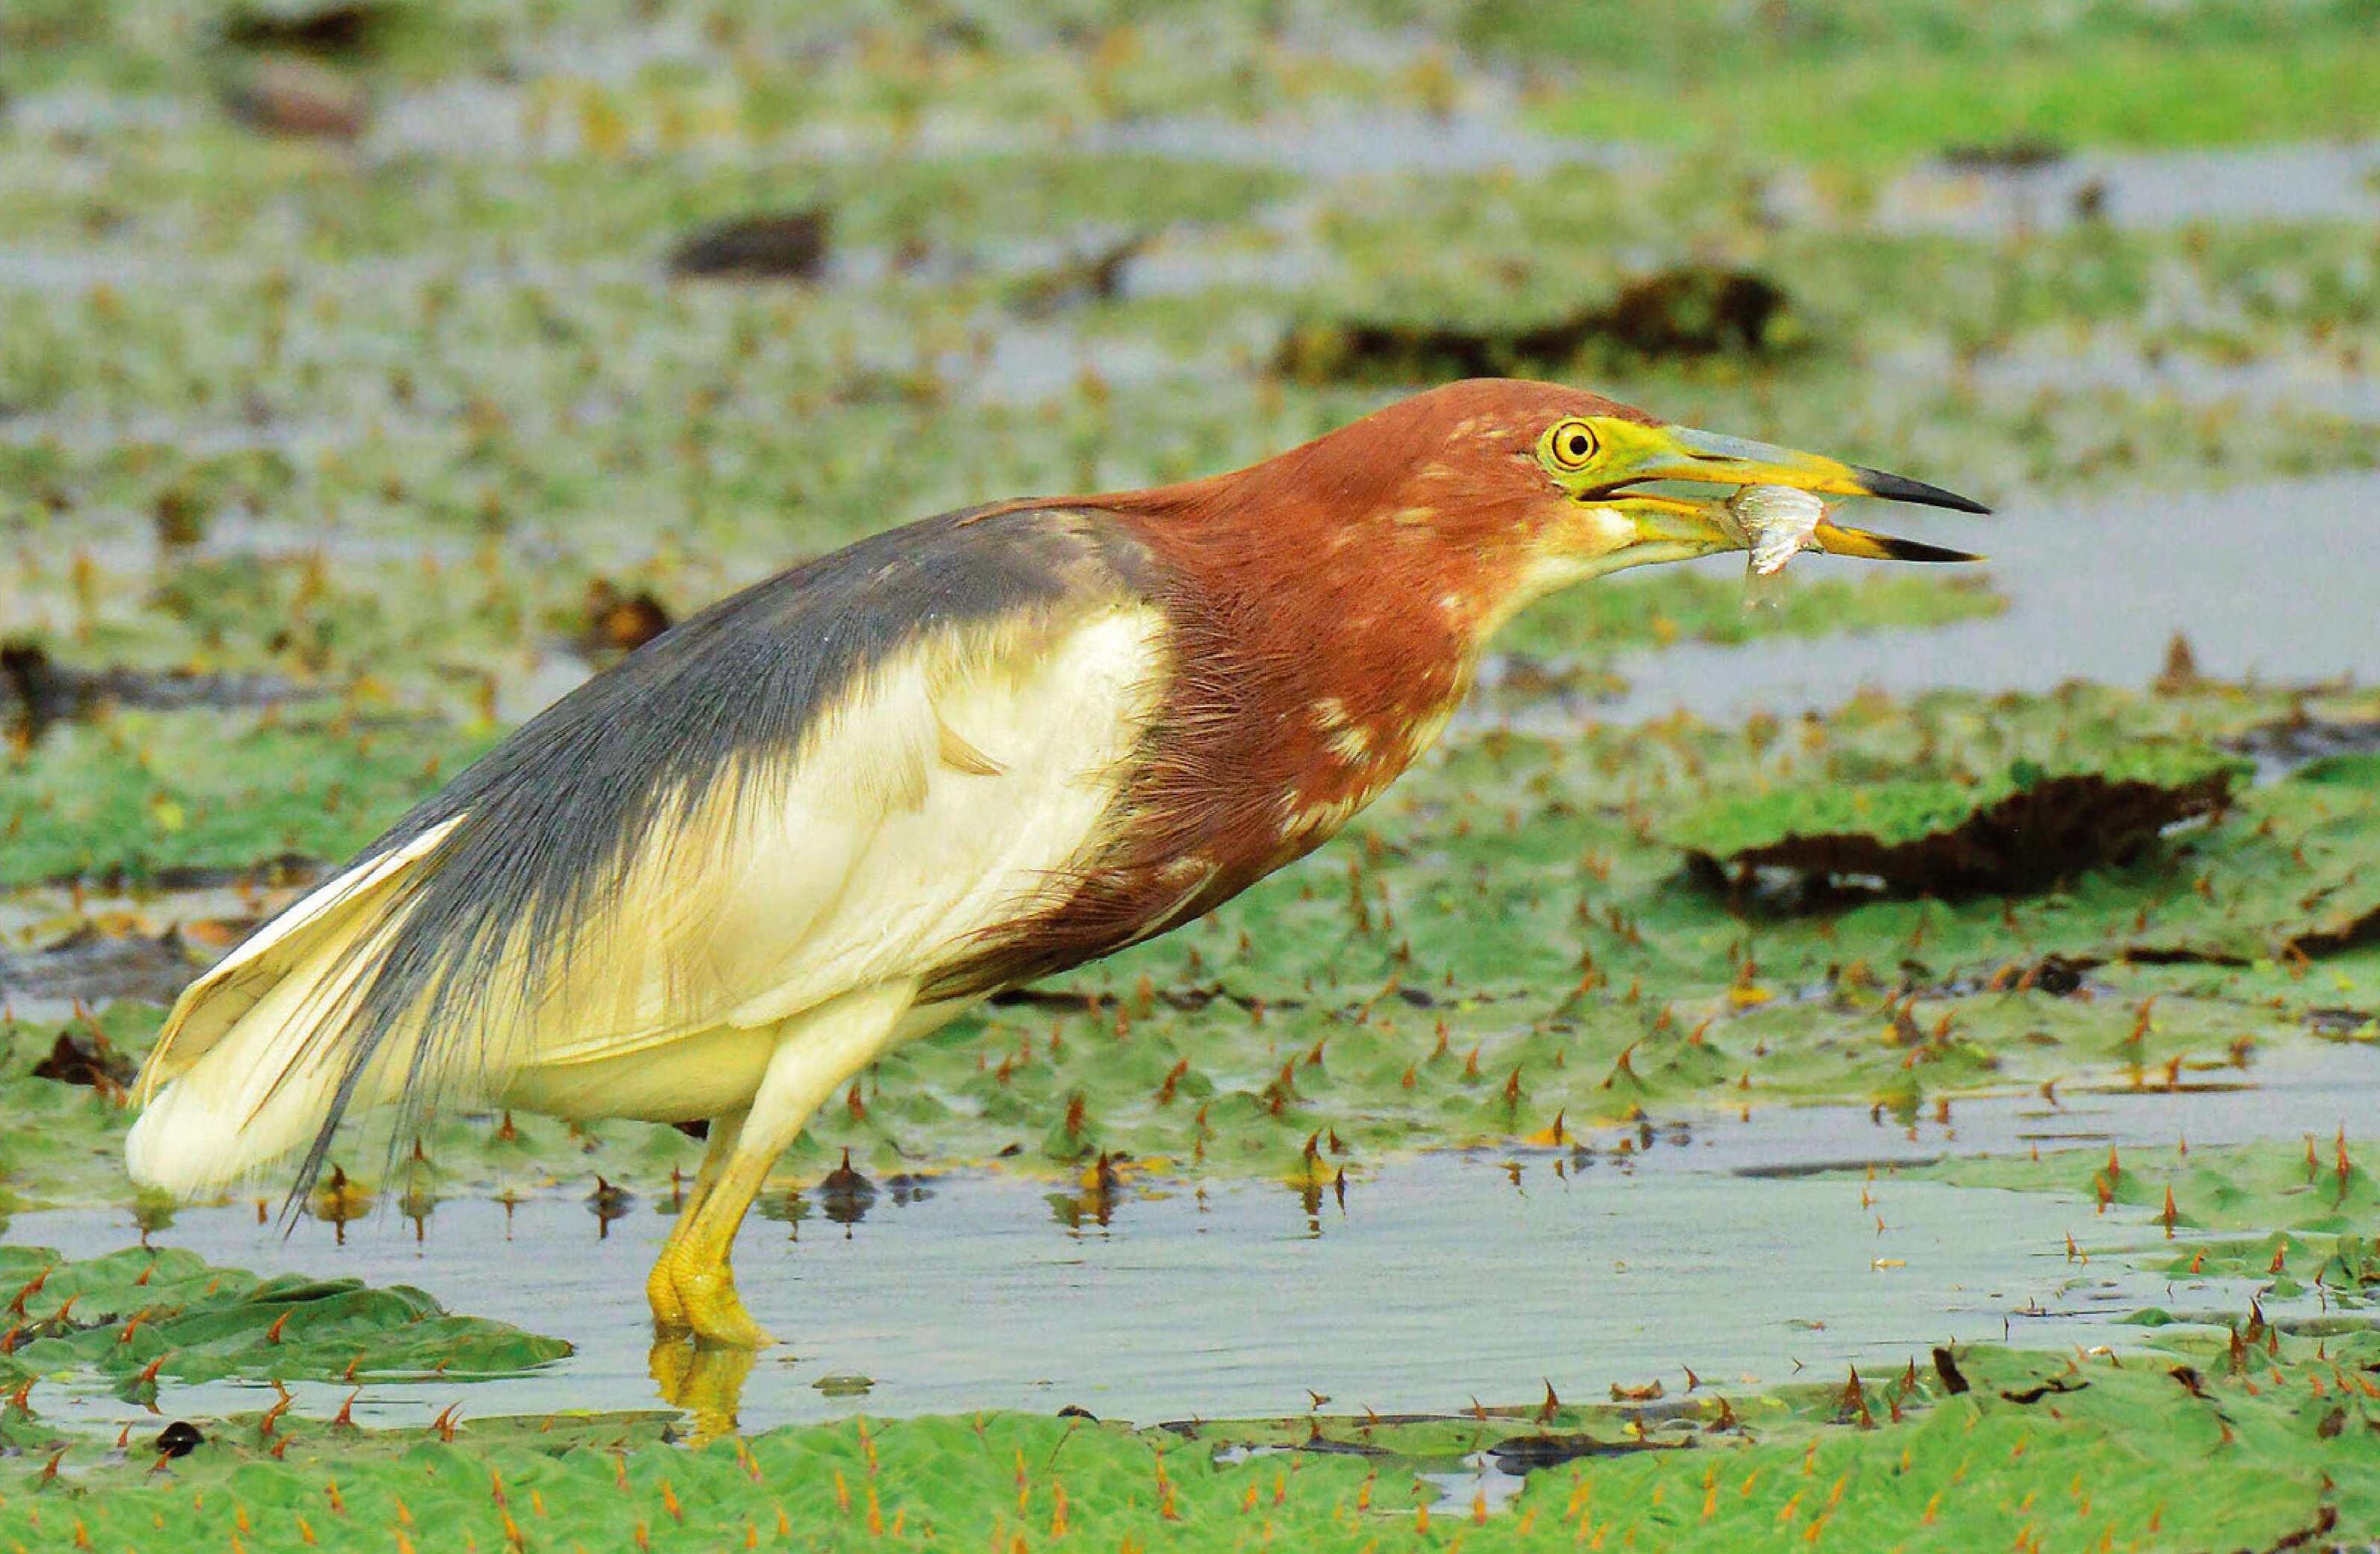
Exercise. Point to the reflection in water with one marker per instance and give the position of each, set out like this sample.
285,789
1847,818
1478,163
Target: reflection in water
846,1195
1614,1257
705,1381
608,1203
1094,1200
416,1184
339,1203
789,1210
1312,1188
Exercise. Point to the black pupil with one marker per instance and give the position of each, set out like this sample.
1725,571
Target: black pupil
1578,445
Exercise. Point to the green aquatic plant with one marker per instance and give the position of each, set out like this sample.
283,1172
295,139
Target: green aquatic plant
138,796
2315,1184
2243,1439
1843,86
140,1315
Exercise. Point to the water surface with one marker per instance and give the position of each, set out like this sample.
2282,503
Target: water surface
1438,1279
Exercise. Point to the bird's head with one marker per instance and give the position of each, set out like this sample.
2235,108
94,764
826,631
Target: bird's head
1602,475
1508,490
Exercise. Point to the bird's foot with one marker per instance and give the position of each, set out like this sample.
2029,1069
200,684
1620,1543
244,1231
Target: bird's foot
702,1301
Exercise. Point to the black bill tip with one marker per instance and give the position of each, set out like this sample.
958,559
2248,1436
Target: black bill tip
1899,488
1836,539
1917,549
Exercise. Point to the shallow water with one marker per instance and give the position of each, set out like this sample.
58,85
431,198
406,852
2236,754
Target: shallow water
1359,144
1439,1279
2270,581
974,1295
2141,189
2296,379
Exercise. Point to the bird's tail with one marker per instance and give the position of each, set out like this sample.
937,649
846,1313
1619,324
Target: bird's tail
250,1066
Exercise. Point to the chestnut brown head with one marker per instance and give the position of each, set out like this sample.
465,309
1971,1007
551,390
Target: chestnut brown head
1513,489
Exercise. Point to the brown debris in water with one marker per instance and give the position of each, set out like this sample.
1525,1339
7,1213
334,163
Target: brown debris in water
297,97
2181,671
338,1202
333,28
2030,840
37,690
1079,279
845,1195
93,1064
2018,153
1688,311
776,246
608,1202
2053,1387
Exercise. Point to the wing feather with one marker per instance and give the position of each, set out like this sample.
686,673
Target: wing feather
842,880
725,838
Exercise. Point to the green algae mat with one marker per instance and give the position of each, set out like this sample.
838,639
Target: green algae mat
2254,1438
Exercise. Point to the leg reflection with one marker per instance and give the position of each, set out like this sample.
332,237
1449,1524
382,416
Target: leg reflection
706,1381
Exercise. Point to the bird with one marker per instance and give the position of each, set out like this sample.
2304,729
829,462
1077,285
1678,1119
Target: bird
833,811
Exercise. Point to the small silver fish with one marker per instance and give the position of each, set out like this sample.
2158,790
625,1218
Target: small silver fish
1778,523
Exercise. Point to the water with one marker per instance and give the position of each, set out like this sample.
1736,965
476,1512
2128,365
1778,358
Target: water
2299,380
1441,1279
2140,190
1343,145
973,1296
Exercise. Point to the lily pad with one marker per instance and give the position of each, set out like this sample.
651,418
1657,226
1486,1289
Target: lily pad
139,1314
2323,1184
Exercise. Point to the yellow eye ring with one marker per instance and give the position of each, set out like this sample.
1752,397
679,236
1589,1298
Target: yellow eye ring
1570,444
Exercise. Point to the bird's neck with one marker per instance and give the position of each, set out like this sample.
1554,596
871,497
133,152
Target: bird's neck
1303,676
1320,657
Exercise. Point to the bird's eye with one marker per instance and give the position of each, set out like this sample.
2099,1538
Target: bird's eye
1570,445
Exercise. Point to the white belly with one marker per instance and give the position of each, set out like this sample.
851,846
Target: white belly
697,1076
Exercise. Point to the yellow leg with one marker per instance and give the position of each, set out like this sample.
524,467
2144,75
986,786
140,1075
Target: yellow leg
669,1312
815,1052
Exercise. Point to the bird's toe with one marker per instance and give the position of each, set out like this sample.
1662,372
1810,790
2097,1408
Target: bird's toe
669,1307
